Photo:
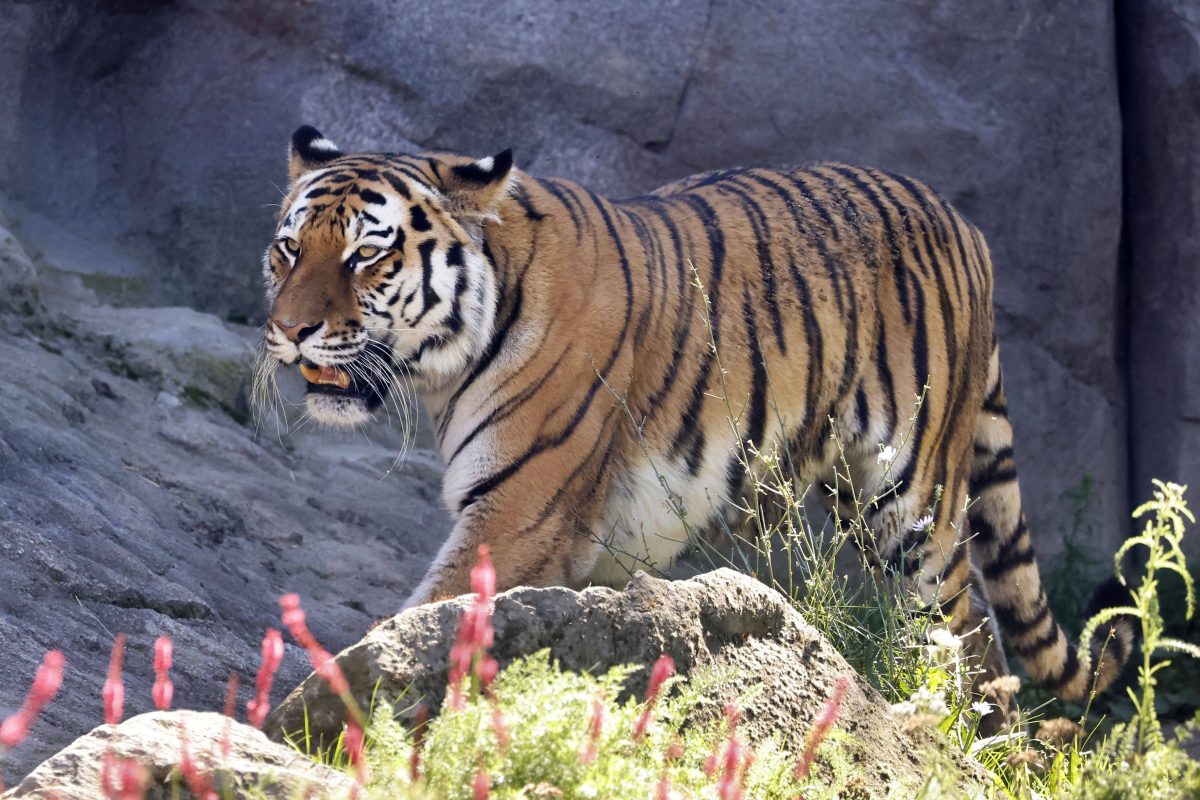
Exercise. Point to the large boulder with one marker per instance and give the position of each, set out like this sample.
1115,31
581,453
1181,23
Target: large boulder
723,623
256,767
1011,110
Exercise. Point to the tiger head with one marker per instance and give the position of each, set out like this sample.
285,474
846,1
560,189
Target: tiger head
378,273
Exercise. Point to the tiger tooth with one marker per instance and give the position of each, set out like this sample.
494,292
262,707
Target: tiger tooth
331,376
311,374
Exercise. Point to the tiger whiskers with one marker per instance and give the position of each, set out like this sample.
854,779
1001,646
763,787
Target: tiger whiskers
266,399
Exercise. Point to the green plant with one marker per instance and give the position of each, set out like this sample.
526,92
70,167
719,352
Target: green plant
552,744
1162,538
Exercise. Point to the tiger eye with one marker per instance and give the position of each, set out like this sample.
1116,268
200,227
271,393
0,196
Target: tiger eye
366,251
292,246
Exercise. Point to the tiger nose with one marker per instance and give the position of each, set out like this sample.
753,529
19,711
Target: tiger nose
296,331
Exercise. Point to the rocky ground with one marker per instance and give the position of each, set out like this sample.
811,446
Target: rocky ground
722,624
137,497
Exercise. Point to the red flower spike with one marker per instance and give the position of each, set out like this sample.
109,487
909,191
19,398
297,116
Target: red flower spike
482,785
664,789
320,658
198,783
133,780
821,727
475,634
163,690
500,727
663,669
414,760
114,687
46,682
483,575
354,748
108,768
595,730
272,655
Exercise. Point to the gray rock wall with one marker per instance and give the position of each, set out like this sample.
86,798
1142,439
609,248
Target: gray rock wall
1160,40
150,136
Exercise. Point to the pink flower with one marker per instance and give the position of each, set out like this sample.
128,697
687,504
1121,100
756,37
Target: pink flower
821,727
475,634
663,792
733,759
133,778
272,655
499,726
198,783
482,785
322,662
114,687
595,729
163,690
46,682
663,669
414,760
354,748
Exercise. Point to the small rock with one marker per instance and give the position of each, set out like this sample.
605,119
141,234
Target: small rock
256,766
168,400
102,389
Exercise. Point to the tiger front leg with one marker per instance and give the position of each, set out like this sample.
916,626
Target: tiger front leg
527,547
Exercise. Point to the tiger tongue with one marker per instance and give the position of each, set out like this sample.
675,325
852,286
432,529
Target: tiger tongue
328,375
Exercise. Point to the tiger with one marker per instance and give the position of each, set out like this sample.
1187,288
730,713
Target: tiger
595,369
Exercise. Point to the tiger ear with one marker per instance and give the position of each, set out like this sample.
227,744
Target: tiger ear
309,150
477,187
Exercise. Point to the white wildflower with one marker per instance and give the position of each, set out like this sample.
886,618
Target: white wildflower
923,524
981,708
905,708
944,639
887,453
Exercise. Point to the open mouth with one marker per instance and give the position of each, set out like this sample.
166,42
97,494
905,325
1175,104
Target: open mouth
349,384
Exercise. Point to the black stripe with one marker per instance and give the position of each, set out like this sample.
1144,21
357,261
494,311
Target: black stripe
521,195
568,201
1032,648
1016,625
758,374
760,228
505,409
1070,670
899,271
397,185
1012,555
543,442
418,219
371,196
683,313
716,247
429,297
494,346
